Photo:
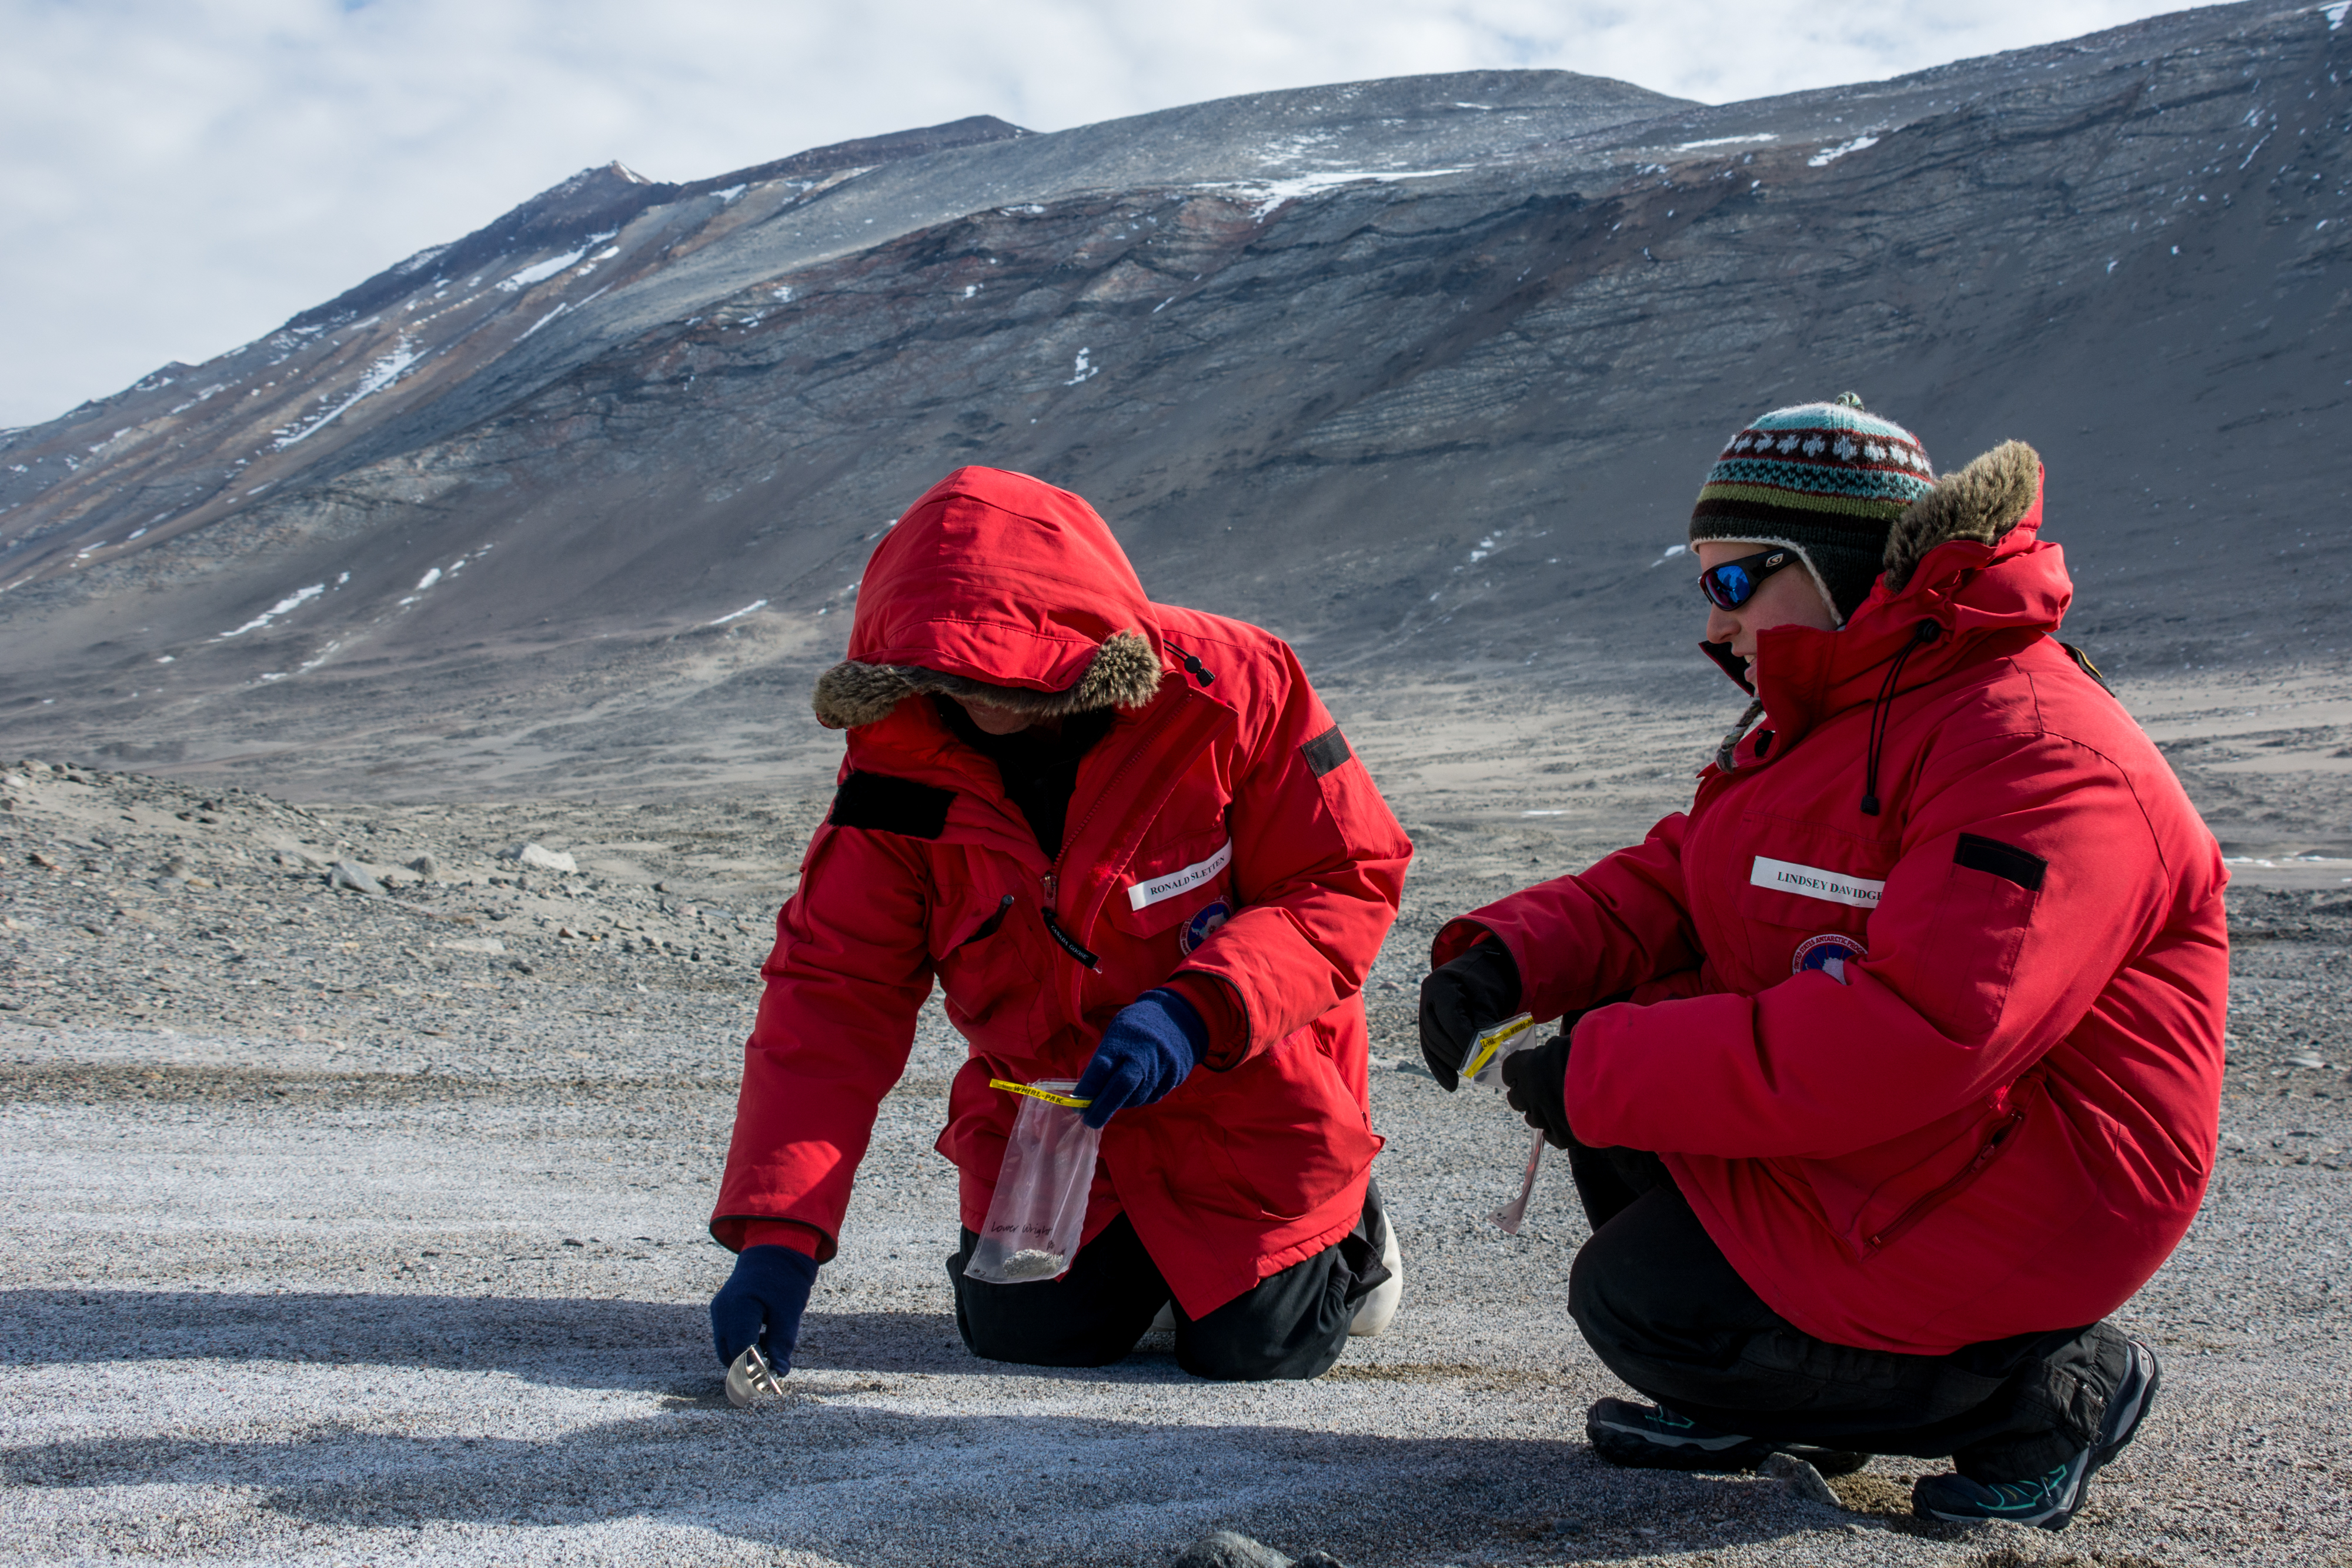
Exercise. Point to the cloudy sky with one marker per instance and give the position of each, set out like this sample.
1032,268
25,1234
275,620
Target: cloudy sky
181,176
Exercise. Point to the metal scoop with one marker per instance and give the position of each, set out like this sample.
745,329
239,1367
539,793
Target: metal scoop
750,1377
1512,1215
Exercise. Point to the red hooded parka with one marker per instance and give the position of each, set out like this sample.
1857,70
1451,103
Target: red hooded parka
1221,832
1931,1076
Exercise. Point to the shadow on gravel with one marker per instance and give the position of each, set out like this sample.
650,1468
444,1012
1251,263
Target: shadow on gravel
824,1469
578,1343
825,1474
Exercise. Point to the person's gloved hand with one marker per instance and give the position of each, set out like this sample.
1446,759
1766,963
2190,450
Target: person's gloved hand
761,1303
1535,1081
1475,991
1149,1048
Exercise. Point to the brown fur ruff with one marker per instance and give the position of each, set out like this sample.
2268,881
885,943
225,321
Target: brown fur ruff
1982,501
1125,674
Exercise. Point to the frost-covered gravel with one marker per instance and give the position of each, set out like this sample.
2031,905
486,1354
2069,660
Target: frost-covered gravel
332,1239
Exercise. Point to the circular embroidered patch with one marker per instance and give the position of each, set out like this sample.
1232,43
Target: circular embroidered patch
1205,919
1828,953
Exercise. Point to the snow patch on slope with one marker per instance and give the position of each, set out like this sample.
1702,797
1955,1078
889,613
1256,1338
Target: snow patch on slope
380,375
1271,193
1831,154
294,600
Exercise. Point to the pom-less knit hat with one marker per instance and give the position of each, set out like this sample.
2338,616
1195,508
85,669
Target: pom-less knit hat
1826,479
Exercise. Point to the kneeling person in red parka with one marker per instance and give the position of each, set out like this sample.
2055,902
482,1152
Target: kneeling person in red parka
1133,848
1894,1066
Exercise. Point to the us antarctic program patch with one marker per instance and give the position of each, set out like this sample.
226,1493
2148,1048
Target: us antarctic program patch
1828,954
1205,919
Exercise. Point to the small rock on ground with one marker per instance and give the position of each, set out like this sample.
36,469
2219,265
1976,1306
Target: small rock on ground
1230,1548
1800,1477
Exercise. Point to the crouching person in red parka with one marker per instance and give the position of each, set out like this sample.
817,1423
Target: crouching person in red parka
1133,848
1892,1066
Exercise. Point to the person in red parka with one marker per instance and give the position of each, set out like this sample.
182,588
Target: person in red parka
1892,1066
1132,848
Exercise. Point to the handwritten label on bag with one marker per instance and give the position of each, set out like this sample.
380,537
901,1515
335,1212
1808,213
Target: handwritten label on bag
1812,881
1153,890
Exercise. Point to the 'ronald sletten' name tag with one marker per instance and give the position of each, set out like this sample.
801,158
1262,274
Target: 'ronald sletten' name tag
1812,881
1144,894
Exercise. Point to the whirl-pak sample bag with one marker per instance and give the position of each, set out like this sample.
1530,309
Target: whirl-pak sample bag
1039,1212
1483,1063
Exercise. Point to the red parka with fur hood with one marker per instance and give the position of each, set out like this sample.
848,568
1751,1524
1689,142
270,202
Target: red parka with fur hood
1221,832
1940,1073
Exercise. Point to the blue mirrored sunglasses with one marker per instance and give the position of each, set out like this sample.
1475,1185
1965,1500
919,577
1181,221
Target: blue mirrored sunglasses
1735,582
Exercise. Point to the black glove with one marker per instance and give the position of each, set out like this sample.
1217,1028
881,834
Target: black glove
1474,992
1536,1083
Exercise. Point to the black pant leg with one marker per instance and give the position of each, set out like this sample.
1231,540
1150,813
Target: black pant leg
1293,1324
1608,1180
1091,1316
1663,1307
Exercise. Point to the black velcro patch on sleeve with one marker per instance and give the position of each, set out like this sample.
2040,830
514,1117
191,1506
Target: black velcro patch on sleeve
890,804
2004,861
1326,751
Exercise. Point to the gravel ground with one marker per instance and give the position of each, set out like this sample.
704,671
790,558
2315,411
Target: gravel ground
363,1226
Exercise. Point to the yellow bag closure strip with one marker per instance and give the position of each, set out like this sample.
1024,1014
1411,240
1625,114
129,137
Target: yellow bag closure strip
1034,1093
1489,1041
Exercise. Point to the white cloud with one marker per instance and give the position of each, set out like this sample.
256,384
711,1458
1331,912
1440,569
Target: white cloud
185,175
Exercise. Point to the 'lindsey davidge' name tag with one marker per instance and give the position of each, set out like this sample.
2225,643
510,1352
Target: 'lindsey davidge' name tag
1144,894
1812,881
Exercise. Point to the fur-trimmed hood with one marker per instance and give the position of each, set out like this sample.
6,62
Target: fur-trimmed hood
1983,502
998,587
1125,674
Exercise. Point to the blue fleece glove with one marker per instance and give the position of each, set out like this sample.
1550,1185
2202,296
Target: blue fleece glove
761,1303
1149,1048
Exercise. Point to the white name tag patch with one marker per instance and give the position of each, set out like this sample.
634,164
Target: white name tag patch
1812,881
1144,894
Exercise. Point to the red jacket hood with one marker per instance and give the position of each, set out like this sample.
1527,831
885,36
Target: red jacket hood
1984,597
998,578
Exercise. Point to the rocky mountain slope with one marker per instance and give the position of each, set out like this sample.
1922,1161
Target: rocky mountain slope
1422,373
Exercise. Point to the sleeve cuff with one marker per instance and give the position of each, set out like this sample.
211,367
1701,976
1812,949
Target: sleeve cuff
805,1240
1223,1020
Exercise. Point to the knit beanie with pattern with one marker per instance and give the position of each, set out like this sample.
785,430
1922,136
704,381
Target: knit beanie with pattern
1826,479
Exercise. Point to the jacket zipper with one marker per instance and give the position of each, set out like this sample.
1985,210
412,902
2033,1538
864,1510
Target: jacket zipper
1975,1168
1069,943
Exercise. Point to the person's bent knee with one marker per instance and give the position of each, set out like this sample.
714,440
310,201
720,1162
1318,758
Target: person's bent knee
1596,1292
1226,1360
1291,1327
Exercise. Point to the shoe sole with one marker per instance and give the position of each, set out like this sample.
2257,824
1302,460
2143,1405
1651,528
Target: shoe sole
1379,1309
2137,1412
1633,1447
1635,1450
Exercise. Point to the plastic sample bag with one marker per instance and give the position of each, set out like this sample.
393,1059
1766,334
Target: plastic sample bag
1039,1211
1483,1063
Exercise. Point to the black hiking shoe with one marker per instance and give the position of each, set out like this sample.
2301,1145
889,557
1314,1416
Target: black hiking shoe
1652,1438
2050,1500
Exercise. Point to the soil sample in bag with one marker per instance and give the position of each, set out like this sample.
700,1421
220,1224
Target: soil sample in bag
1039,1211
